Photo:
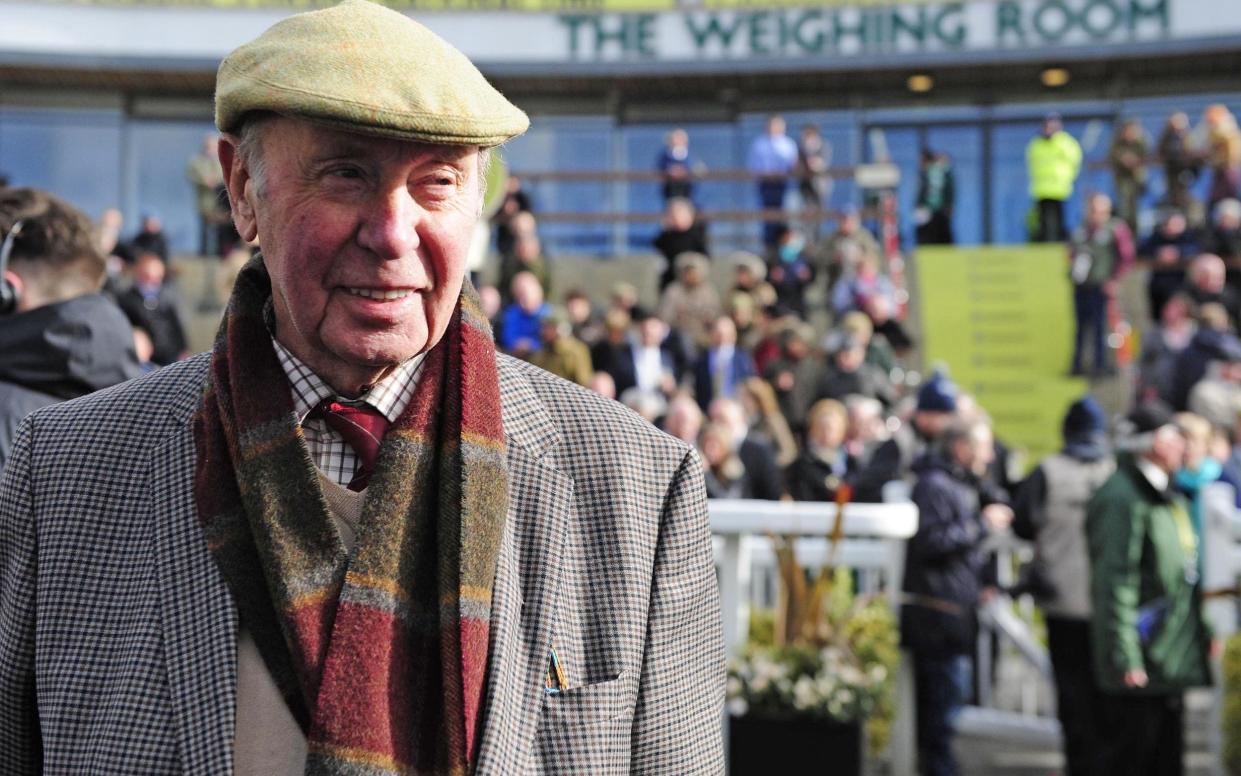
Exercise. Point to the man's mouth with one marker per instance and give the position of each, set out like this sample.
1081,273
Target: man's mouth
381,294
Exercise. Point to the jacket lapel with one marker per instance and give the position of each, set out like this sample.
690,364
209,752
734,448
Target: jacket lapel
541,506
199,620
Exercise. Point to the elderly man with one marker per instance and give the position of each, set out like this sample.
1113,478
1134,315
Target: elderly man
1149,641
353,539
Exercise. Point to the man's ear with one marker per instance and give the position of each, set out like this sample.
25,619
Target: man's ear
15,281
238,182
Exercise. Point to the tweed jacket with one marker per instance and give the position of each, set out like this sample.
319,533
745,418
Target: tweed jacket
118,634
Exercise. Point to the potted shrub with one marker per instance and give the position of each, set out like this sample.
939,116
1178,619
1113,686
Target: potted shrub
807,696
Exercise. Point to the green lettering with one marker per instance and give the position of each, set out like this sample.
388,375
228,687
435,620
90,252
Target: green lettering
574,23
1008,22
814,43
949,25
759,32
712,29
1155,9
604,36
784,31
644,34
860,29
1052,34
916,28
1094,26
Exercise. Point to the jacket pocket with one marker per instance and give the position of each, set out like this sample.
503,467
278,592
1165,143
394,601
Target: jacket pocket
586,730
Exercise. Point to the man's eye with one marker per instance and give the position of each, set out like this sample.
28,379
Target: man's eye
348,173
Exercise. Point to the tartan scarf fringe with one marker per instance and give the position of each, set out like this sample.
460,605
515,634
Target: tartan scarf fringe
411,606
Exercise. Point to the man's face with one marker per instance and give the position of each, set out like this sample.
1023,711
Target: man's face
652,332
1175,225
1210,276
849,359
1168,449
976,451
1099,211
365,240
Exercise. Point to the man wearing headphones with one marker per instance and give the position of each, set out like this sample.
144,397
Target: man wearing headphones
60,337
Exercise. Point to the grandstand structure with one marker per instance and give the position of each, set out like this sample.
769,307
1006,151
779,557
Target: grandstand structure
104,100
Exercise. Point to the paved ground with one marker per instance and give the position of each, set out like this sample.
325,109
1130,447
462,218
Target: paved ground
1030,754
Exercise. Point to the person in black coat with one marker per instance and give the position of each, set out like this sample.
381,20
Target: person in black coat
943,582
61,339
824,464
1212,342
1169,248
152,305
681,232
848,374
764,480
151,238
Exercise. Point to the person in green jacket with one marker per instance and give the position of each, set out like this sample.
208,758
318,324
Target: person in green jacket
1053,161
1148,637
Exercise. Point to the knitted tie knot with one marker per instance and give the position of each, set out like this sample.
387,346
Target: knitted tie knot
362,427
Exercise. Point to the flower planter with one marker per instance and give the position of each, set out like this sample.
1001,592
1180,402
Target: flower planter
765,746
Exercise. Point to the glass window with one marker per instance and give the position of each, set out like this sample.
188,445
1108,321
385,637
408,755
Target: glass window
712,145
556,144
73,153
157,154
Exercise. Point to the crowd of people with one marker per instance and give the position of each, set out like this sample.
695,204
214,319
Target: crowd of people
794,381
1115,516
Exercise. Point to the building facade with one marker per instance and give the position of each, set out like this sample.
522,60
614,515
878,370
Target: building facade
104,102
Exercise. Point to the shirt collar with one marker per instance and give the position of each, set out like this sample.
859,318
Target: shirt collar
1157,477
390,396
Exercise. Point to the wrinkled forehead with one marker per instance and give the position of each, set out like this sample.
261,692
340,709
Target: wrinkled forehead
325,142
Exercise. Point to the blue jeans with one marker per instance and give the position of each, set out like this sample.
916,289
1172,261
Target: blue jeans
941,685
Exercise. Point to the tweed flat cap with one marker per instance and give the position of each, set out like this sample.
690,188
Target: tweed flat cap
363,68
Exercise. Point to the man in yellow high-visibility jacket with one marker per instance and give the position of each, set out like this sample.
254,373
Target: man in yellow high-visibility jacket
1053,161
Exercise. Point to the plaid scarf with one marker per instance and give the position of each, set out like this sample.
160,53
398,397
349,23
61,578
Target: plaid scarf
380,655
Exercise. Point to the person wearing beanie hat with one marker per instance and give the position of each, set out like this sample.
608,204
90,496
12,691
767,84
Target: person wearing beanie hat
938,394
943,580
936,408
848,374
1148,639
1050,510
353,538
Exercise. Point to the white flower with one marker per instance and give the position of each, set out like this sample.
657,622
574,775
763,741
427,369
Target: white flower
738,707
804,696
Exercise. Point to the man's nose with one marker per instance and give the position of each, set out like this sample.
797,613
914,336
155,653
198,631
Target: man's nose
390,224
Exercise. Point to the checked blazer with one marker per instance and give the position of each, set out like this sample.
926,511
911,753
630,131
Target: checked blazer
118,635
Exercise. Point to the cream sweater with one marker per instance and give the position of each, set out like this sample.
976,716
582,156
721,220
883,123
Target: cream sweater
268,741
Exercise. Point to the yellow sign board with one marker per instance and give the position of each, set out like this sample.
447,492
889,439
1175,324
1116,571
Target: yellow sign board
1001,319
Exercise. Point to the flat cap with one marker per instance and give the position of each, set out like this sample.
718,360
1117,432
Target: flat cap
363,68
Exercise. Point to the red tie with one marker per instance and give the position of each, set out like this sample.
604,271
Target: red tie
362,427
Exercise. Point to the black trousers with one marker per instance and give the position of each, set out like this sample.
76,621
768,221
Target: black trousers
1051,221
1141,735
1068,641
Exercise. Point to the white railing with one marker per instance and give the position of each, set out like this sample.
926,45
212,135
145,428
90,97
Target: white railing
873,544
